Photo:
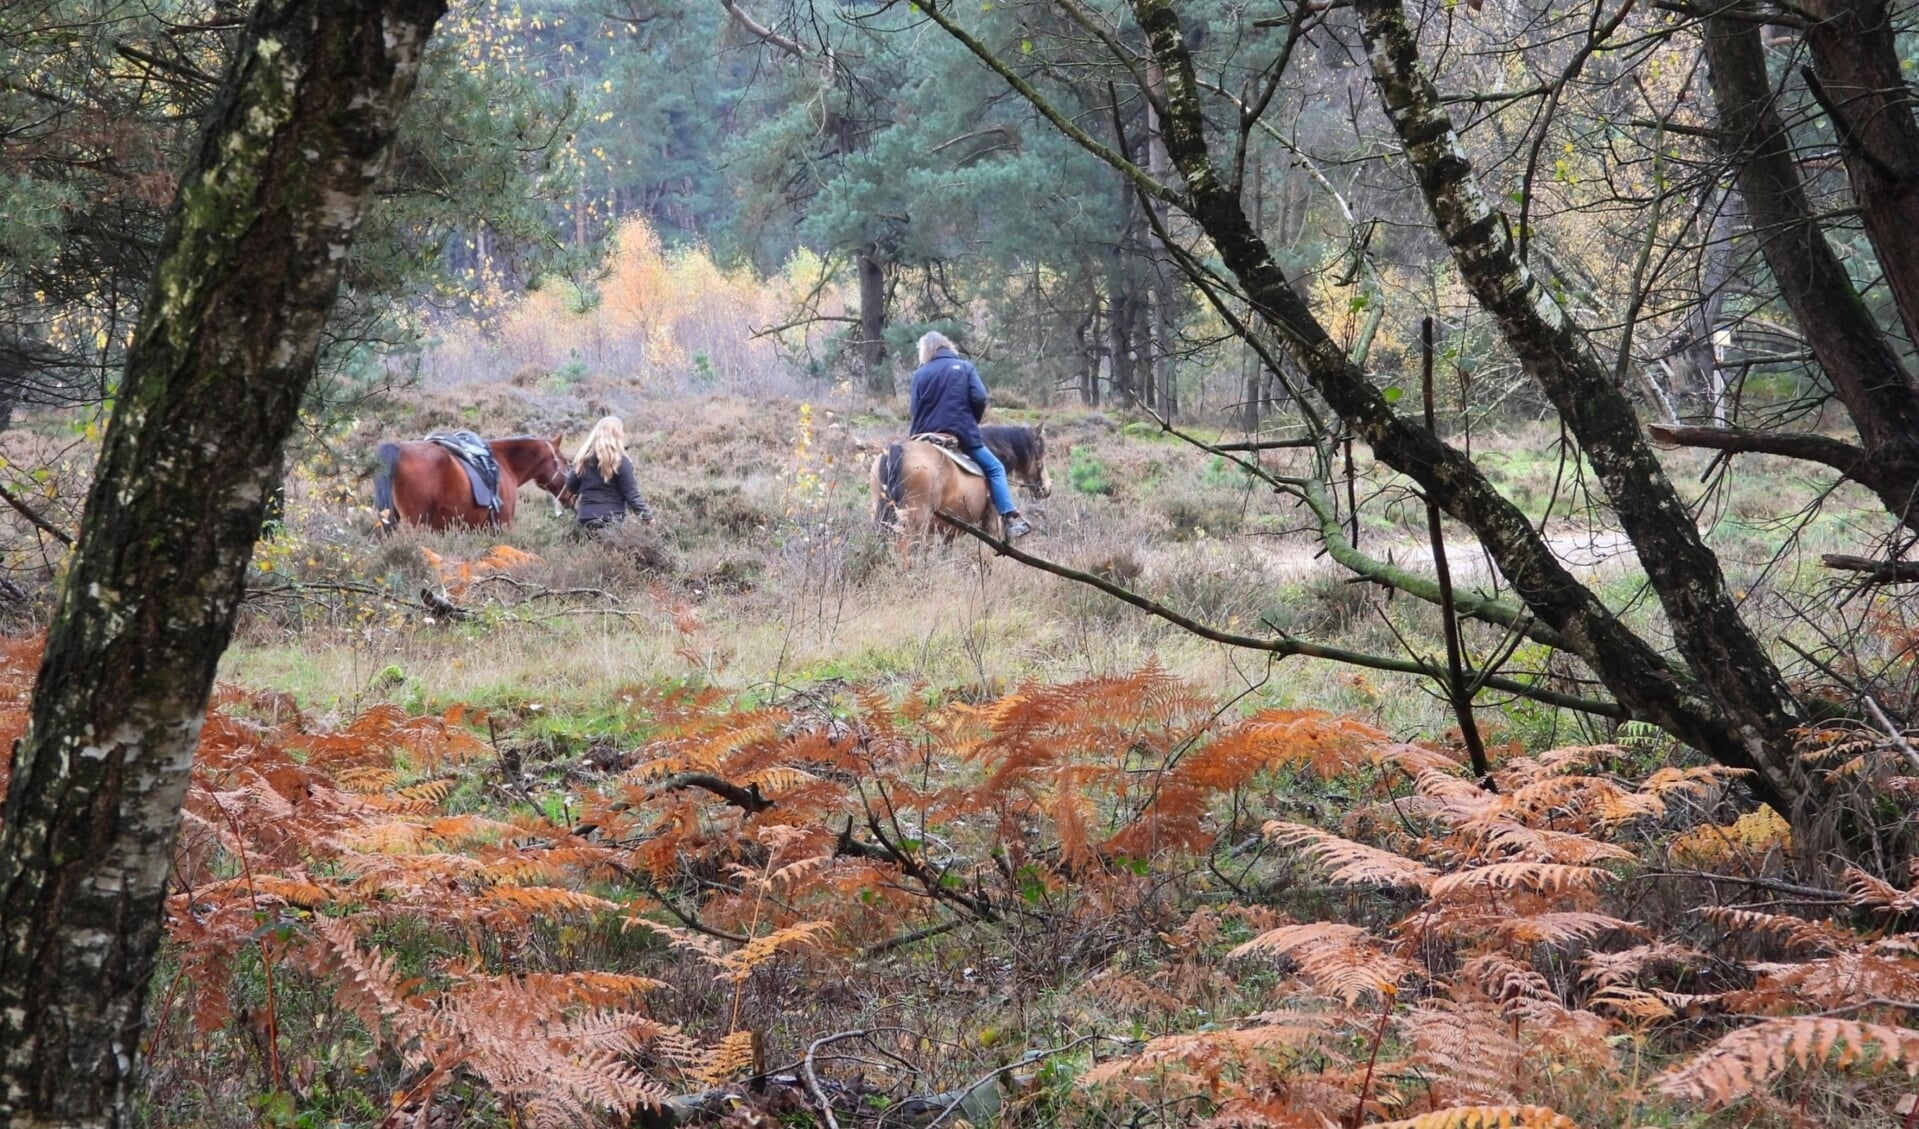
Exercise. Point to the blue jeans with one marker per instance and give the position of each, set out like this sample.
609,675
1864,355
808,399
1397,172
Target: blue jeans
995,479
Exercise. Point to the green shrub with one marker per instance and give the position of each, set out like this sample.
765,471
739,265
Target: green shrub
1087,473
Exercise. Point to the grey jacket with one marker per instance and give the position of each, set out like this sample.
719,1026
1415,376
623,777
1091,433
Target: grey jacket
600,500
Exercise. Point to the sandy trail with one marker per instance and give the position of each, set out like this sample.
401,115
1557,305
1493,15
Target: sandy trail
1586,552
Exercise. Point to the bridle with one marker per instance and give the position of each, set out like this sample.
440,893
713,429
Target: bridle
553,478
1035,479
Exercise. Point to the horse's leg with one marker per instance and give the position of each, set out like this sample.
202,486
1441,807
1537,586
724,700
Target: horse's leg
509,497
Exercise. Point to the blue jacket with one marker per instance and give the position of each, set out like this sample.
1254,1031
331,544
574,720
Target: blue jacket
949,396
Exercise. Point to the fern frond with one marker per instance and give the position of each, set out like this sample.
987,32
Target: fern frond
1189,1048
1504,978
1863,889
1753,1056
1535,844
1626,965
1339,960
1540,877
1486,1117
1797,932
1557,928
1324,744
739,965
1350,862
545,900
1887,969
734,1054
1634,1003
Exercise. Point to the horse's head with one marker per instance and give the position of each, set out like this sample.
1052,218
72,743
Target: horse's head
1033,474
549,471
1023,451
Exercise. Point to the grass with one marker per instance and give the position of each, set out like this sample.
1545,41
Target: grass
750,584
764,580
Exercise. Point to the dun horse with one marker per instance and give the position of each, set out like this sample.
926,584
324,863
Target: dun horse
421,483
917,486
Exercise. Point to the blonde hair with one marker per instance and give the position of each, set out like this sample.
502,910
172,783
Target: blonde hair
605,445
932,343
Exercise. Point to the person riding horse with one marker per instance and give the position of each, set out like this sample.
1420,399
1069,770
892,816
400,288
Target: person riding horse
949,398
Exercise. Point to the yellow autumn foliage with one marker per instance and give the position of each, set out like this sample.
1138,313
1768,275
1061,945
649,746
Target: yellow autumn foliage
661,317
1749,836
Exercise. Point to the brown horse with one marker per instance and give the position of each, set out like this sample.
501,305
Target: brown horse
916,486
421,483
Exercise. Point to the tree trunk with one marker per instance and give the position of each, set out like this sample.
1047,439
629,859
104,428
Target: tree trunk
872,347
1158,166
1851,348
248,273
1723,654
1123,315
1637,675
1861,85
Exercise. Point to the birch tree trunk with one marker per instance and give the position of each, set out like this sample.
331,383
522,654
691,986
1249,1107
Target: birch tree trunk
249,270
1640,678
1723,654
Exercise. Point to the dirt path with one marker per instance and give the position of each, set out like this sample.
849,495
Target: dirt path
1586,552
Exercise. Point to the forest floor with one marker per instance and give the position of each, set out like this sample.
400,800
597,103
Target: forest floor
739,815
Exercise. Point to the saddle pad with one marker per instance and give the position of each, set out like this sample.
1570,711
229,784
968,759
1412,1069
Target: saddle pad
948,447
476,458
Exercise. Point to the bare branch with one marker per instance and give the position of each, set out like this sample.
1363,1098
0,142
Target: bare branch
1286,645
1877,571
747,799
1835,453
763,33
38,522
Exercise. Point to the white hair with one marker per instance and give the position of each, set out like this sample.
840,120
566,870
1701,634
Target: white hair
931,343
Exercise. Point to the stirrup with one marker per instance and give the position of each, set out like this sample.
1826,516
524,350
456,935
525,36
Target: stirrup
1016,526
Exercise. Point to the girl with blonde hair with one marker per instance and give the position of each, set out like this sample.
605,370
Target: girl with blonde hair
602,482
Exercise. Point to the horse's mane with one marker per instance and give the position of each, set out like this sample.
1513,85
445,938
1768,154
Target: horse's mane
1014,446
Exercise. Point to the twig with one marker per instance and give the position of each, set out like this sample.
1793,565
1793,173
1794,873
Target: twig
1782,887
1267,444
1905,746
813,1079
1031,1057
40,523
1457,689
914,937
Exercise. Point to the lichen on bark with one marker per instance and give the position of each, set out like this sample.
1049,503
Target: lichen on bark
248,271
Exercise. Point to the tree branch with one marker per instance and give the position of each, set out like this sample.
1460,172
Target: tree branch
747,799
1877,571
1285,645
763,33
38,522
1841,456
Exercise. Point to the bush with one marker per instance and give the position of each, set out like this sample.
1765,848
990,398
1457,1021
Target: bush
1087,474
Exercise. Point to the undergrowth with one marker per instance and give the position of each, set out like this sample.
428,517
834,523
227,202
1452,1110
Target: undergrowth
1111,902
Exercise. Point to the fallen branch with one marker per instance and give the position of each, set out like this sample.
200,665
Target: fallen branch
747,799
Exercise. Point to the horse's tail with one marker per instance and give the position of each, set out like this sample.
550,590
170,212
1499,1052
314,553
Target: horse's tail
389,455
892,483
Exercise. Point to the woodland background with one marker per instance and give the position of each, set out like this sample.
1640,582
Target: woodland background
743,819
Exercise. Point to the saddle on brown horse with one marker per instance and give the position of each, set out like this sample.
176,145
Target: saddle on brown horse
949,446
476,458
